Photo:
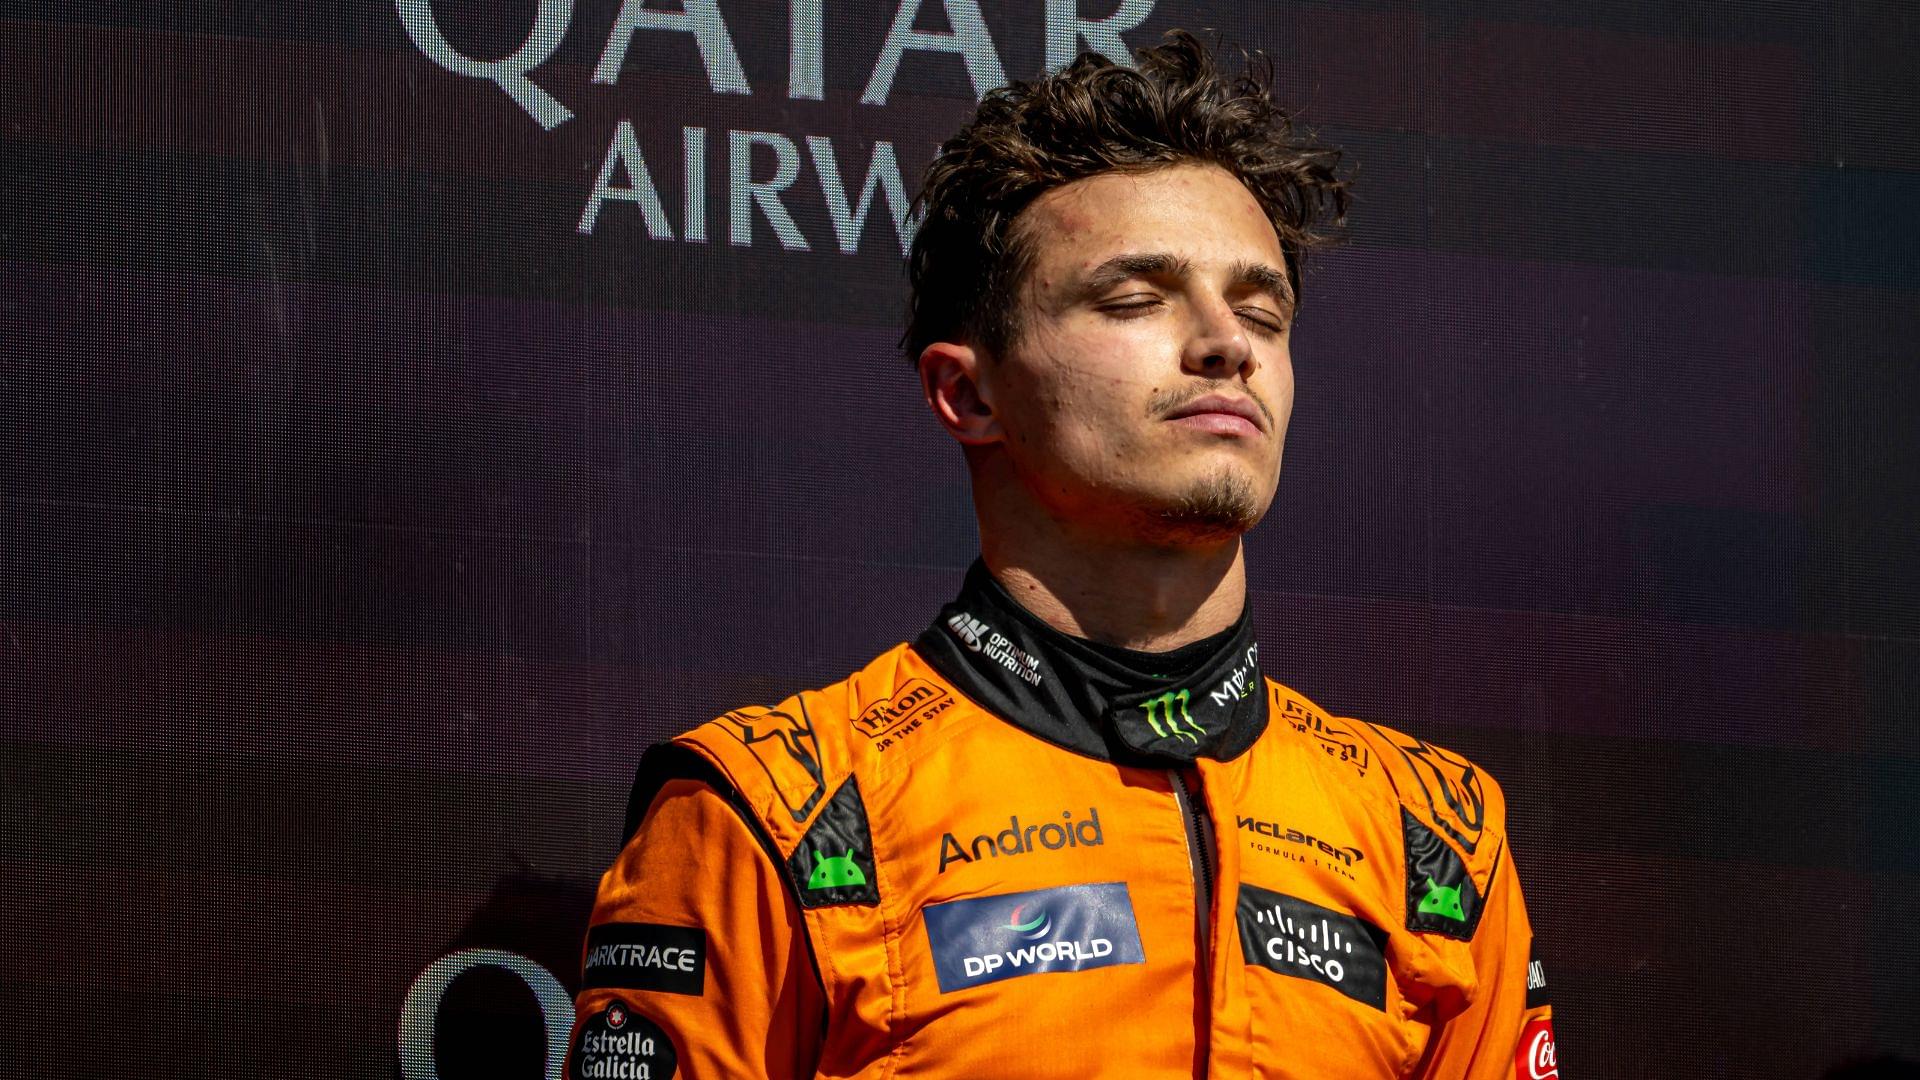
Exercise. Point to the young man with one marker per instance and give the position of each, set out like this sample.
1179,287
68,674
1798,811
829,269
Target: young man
1072,830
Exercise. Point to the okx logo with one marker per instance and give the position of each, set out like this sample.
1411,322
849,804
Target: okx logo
1168,712
1073,928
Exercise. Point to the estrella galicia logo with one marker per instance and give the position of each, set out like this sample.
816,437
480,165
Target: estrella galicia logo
621,1044
1072,928
1291,936
1164,721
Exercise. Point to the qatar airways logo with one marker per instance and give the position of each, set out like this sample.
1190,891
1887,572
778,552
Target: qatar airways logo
755,192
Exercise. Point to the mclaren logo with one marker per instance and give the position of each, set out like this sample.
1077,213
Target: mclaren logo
1300,846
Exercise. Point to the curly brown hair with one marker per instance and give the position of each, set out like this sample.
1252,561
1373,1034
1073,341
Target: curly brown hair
1097,116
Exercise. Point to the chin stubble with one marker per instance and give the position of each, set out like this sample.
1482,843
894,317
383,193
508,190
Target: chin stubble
1222,505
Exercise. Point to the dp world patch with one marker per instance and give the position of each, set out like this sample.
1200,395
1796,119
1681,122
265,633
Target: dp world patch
1072,928
620,1044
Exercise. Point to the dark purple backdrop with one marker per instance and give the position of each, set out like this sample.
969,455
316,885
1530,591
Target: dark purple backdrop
362,517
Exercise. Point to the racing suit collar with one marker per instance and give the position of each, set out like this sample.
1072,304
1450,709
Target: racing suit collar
1091,700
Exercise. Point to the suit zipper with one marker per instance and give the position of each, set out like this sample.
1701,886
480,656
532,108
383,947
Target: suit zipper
1193,815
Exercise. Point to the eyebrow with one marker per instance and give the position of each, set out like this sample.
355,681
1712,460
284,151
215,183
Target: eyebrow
1120,268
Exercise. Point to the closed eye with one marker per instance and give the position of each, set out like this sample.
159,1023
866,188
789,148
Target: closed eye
1132,305
1267,321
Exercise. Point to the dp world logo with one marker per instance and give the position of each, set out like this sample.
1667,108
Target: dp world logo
1073,928
1030,921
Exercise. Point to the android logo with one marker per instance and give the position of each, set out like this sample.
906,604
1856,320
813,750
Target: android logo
835,871
1440,900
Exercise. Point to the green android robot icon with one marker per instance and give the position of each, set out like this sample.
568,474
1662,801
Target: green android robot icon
1440,900
833,871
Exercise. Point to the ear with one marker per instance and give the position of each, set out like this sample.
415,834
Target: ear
819,857
950,377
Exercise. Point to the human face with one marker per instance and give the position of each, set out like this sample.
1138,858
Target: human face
1149,383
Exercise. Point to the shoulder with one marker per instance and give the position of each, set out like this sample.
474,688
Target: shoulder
787,760
1443,813
1441,788
789,771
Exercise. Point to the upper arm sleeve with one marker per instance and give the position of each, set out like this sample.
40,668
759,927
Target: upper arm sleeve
1498,1034
745,1001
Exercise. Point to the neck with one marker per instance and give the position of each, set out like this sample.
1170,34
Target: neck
1118,591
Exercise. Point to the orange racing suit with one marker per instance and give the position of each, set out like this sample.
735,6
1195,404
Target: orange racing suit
993,853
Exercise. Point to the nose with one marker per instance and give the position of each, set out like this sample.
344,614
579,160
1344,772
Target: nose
1217,345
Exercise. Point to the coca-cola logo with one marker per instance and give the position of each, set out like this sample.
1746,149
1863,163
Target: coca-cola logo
1534,1059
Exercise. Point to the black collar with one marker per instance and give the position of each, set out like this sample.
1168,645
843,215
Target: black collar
1090,700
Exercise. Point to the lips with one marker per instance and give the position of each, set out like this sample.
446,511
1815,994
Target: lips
1221,405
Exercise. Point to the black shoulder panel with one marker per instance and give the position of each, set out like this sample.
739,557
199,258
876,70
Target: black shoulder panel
833,863
667,761
661,763
1441,897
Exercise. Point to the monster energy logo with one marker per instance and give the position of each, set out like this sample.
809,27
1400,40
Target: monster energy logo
1166,723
